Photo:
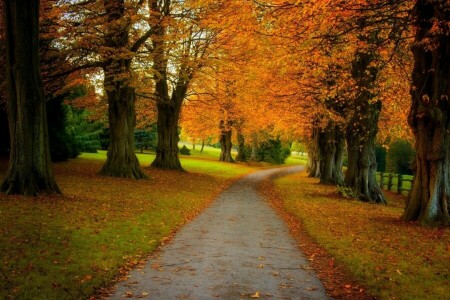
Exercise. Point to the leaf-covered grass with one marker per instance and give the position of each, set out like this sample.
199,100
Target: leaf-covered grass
66,247
393,259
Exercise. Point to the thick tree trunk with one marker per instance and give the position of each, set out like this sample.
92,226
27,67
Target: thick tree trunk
331,145
429,116
167,150
362,166
241,148
29,170
121,160
225,142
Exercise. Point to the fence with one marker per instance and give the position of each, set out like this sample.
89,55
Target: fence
395,182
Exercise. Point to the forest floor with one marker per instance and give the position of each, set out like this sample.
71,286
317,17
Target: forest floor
238,248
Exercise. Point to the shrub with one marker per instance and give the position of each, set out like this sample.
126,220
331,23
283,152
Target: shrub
185,151
399,157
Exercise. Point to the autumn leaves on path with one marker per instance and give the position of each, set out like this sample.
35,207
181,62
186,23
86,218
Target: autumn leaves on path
238,248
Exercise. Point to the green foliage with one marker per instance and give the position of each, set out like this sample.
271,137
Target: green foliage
146,139
399,157
298,147
380,155
87,133
270,151
62,142
185,150
345,191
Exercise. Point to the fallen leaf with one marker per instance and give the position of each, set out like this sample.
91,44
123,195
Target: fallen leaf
255,295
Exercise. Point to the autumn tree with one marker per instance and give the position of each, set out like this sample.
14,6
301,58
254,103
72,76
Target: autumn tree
179,45
106,35
29,170
429,116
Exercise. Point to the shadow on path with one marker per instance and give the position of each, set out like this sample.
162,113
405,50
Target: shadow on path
238,248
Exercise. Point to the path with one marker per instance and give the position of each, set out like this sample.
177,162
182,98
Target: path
238,248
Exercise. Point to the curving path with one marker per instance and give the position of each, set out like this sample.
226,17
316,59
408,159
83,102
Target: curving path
238,248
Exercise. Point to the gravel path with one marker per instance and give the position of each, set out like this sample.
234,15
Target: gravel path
237,249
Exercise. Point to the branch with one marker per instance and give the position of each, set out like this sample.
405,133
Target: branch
92,65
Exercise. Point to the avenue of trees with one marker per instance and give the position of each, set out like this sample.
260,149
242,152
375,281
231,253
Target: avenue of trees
341,76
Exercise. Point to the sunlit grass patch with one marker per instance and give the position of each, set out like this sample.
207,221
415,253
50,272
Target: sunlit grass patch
66,247
393,259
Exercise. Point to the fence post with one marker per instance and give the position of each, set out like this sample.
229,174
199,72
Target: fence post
399,184
391,176
381,180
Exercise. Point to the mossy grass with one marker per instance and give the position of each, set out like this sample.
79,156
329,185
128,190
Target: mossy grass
69,246
392,258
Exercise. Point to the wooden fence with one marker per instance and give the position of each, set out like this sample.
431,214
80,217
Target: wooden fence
395,182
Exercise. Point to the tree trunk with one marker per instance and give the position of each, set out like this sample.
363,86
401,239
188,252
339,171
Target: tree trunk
167,149
331,145
203,146
429,116
314,155
225,142
29,170
241,148
362,166
121,160
193,144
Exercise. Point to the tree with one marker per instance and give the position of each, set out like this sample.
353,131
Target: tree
429,116
178,32
29,170
105,35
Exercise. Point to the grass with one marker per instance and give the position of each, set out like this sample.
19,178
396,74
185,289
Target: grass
393,259
69,246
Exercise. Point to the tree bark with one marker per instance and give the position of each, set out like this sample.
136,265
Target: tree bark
225,142
314,155
29,170
167,150
429,116
121,160
241,148
362,129
331,145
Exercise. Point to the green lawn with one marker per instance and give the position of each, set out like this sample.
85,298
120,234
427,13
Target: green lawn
69,246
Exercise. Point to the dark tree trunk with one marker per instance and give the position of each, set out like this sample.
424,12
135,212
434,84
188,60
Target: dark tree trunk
29,170
362,129
203,146
314,155
121,160
429,115
225,142
167,149
241,148
193,144
331,145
